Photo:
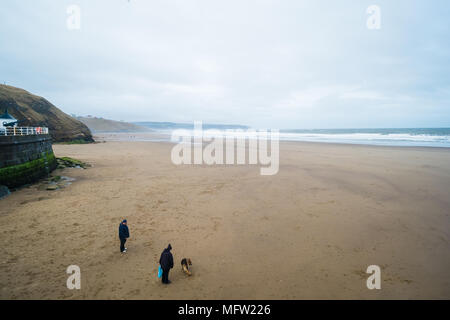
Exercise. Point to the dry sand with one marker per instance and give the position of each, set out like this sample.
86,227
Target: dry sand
308,232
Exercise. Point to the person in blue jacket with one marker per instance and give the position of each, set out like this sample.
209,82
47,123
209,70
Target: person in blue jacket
124,234
166,262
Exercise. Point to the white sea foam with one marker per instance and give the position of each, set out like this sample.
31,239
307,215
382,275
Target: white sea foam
393,139
397,139
431,137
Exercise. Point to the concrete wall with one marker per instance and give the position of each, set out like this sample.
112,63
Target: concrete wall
25,159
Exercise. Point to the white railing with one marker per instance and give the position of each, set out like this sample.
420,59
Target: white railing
22,131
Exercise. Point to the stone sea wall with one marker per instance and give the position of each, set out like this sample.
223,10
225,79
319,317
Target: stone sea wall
25,159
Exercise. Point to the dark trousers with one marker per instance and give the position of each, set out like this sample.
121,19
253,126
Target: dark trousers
165,276
122,244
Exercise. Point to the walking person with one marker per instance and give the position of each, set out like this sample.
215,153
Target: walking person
166,262
124,234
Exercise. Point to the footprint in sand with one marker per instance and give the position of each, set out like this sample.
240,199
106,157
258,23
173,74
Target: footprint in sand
134,292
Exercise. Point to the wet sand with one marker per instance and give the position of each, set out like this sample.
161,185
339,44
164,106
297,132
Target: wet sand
308,232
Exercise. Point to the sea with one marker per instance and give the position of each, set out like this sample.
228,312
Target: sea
419,137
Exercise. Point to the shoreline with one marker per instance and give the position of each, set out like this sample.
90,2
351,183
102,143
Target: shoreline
159,138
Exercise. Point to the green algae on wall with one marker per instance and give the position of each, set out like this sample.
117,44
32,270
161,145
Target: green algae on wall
28,172
25,159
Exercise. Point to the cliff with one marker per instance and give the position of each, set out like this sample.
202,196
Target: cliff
35,111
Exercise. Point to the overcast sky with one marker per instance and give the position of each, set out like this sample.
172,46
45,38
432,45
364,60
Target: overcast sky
269,64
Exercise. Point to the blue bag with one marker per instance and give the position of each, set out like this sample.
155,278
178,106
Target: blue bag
160,272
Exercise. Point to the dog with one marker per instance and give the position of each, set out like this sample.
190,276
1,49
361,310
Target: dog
185,263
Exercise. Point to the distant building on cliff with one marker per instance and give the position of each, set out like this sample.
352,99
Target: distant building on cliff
7,120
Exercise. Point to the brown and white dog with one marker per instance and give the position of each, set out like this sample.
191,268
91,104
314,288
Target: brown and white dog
185,263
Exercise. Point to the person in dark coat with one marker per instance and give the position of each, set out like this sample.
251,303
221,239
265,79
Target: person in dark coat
166,262
124,234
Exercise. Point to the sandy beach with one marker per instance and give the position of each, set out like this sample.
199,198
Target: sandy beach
308,232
